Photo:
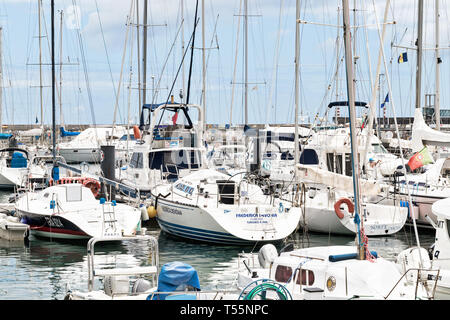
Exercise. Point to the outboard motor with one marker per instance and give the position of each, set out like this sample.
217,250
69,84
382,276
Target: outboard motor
140,285
267,255
116,285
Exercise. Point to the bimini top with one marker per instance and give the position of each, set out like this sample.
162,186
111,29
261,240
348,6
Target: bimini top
176,276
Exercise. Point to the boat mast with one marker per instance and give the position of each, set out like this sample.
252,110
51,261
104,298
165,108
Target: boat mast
337,112
138,35
40,69
182,48
61,117
55,165
297,57
144,58
437,108
419,55
1,80
246,62
352,116
203,69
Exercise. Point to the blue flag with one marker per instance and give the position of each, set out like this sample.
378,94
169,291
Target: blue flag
385,100
403,58
37,120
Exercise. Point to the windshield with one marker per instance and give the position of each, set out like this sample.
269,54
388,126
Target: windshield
379,148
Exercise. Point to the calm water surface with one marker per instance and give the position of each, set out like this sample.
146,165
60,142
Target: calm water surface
42,269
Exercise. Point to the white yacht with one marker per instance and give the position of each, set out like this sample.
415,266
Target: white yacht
210,206
165,152
70,211
329,273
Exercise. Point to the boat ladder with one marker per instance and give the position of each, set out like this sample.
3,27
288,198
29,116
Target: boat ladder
109,227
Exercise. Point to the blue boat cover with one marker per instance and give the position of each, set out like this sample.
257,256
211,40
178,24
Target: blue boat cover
5,135
65,133
18,160
175,276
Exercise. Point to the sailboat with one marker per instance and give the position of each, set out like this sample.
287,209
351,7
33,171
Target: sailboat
333,272
70,211
432,181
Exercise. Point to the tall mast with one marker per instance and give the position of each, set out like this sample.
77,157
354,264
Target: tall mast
182,48
352,115
138,35
53,83
419,55
1,80
144,84
40,66
61,118
438,61
246,61
338,40
297,57
203,68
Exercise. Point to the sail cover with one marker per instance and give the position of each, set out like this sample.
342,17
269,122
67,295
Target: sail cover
423,135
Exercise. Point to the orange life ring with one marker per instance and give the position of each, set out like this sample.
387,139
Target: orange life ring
92,184
337,207
136,132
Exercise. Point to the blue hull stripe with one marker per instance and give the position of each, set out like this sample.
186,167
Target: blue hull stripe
200,234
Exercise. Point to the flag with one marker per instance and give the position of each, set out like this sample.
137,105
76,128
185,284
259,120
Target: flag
403,57
385,100
174,118
37,120
420,159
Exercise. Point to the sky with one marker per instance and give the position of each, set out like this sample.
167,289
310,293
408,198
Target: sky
99,76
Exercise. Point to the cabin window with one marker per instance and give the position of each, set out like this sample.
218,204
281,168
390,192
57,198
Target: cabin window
283,273
137,160
379,148
334,162
306,278
309,157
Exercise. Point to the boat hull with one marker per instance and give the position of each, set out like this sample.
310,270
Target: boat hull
78,155
380,220
53,227
233,227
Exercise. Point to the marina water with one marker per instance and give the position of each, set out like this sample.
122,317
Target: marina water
41,269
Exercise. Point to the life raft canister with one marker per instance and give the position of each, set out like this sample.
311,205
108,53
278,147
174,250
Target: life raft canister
337,207
92,184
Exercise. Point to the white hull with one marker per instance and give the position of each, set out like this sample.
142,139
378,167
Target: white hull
11,229
239,225
77,155
12,177
379,220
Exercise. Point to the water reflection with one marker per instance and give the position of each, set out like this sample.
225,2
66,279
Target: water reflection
42,269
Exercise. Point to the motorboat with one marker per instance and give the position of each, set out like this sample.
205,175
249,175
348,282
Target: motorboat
211,206
12,229
13,167
173,281
85,147
70,211
164,151
329,273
